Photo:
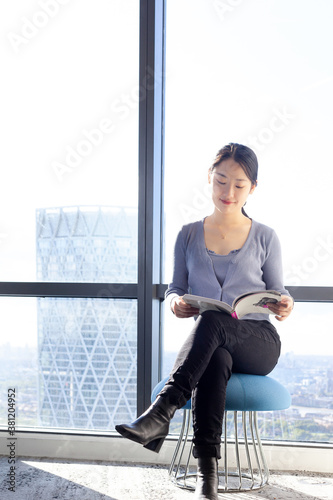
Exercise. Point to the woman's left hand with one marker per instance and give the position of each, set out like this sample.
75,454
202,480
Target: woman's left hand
283,308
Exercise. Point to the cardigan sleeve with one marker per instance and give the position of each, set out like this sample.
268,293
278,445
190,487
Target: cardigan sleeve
179,283
272,267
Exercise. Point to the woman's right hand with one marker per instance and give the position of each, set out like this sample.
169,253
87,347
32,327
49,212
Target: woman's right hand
183,310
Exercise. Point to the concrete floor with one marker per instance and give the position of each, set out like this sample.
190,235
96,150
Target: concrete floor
47,479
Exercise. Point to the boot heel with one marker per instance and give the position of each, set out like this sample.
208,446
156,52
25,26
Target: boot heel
155,445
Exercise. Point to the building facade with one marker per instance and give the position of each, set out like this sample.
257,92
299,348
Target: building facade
87,348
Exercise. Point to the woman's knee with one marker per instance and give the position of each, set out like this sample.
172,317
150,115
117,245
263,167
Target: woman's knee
215,316
215,321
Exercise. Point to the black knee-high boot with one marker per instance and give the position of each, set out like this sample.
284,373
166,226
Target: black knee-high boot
152,427
207,479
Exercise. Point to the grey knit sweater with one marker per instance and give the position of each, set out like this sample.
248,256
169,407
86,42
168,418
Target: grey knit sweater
257,266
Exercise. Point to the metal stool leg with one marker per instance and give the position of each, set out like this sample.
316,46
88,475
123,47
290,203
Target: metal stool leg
176,474
249,472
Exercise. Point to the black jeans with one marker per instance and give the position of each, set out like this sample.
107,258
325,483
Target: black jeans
217,346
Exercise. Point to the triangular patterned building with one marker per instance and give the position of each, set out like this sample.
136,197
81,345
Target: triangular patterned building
87,348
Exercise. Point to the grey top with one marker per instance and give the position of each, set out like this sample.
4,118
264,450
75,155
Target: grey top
220,264
256,266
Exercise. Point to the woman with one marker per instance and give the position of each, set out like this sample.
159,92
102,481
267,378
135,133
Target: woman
220,257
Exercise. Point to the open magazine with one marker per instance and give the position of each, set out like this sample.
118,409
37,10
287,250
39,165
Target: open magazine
247,303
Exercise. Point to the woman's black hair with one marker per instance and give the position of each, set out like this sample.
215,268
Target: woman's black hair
244,156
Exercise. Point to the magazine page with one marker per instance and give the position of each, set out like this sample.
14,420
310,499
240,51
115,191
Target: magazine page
256,302
205,304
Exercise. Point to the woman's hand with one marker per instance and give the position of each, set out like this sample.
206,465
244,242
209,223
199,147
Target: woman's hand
183,310
283,308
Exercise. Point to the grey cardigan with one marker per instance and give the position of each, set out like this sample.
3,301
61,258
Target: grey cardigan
257,266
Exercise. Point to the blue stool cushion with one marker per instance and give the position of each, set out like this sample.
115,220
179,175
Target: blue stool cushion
247,393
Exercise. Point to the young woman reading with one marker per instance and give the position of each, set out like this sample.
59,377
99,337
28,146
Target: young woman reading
220,257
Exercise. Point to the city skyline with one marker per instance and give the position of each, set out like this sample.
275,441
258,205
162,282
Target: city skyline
307,376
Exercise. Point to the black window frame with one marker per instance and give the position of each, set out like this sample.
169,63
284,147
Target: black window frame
149,290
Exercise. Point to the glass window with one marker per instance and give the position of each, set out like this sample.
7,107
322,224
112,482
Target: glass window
72,362
255,76
92,243
69,128
305,369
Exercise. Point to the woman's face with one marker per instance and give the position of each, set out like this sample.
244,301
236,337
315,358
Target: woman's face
231,186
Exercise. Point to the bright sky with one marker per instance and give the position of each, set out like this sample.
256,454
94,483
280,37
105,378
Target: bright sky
257,71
